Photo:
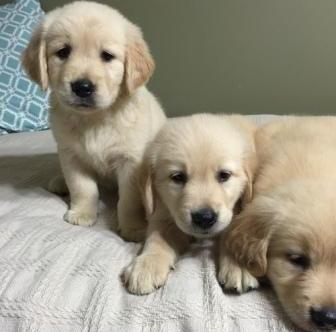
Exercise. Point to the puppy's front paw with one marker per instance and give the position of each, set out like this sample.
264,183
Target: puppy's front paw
79,218
145,274
233,278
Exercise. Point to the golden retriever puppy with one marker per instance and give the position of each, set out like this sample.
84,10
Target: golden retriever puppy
96,63
194,173
287,231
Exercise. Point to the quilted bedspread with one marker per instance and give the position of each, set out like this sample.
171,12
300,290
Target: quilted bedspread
58,277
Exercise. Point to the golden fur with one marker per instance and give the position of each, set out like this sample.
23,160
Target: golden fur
200,146
103,142
288,230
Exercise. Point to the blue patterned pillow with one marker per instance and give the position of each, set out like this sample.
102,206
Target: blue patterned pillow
23,105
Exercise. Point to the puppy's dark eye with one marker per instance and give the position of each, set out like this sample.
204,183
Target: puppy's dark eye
223,176
179,177
64,52
106,56
301,261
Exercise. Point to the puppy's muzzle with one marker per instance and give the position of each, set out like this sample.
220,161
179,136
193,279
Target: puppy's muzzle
324,318
204,218
83,88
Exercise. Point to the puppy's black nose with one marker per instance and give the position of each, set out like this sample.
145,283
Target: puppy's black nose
83,88
324,318
204,218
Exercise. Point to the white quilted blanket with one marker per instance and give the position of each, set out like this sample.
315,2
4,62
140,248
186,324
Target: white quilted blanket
59,277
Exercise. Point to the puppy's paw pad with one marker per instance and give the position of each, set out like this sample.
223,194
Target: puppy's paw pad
58,186
228,290
145,274
249,282
79,218
234,279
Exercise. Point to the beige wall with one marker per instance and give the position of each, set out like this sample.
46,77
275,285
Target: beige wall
246,56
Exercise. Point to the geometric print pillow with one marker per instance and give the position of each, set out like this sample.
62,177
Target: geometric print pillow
23,105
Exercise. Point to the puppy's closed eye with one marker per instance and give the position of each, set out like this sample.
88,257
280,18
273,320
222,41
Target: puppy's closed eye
299,260
179,178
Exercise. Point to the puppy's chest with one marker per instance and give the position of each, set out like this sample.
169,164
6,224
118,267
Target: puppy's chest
104,150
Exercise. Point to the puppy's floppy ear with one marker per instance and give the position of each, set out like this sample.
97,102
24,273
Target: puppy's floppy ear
139,64
250,168
250,161
247,240
34,58
146,187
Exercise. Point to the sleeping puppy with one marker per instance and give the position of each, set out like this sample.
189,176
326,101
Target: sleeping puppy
194,173
288,230
96,63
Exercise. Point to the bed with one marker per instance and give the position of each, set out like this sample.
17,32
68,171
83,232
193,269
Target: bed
60,277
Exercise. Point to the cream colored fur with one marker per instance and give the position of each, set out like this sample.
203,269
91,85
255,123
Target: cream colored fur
103,143
200,146
293,214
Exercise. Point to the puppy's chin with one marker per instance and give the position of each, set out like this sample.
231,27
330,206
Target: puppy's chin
295,305
203,235
83,105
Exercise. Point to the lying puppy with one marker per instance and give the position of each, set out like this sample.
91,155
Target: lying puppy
288,230
195,171
96,63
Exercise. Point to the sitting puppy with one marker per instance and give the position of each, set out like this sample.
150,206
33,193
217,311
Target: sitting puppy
194,173
288,230
96,64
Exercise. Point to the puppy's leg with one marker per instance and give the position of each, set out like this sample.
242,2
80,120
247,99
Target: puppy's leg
58,186
83,192
230,275
131,212
149,271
